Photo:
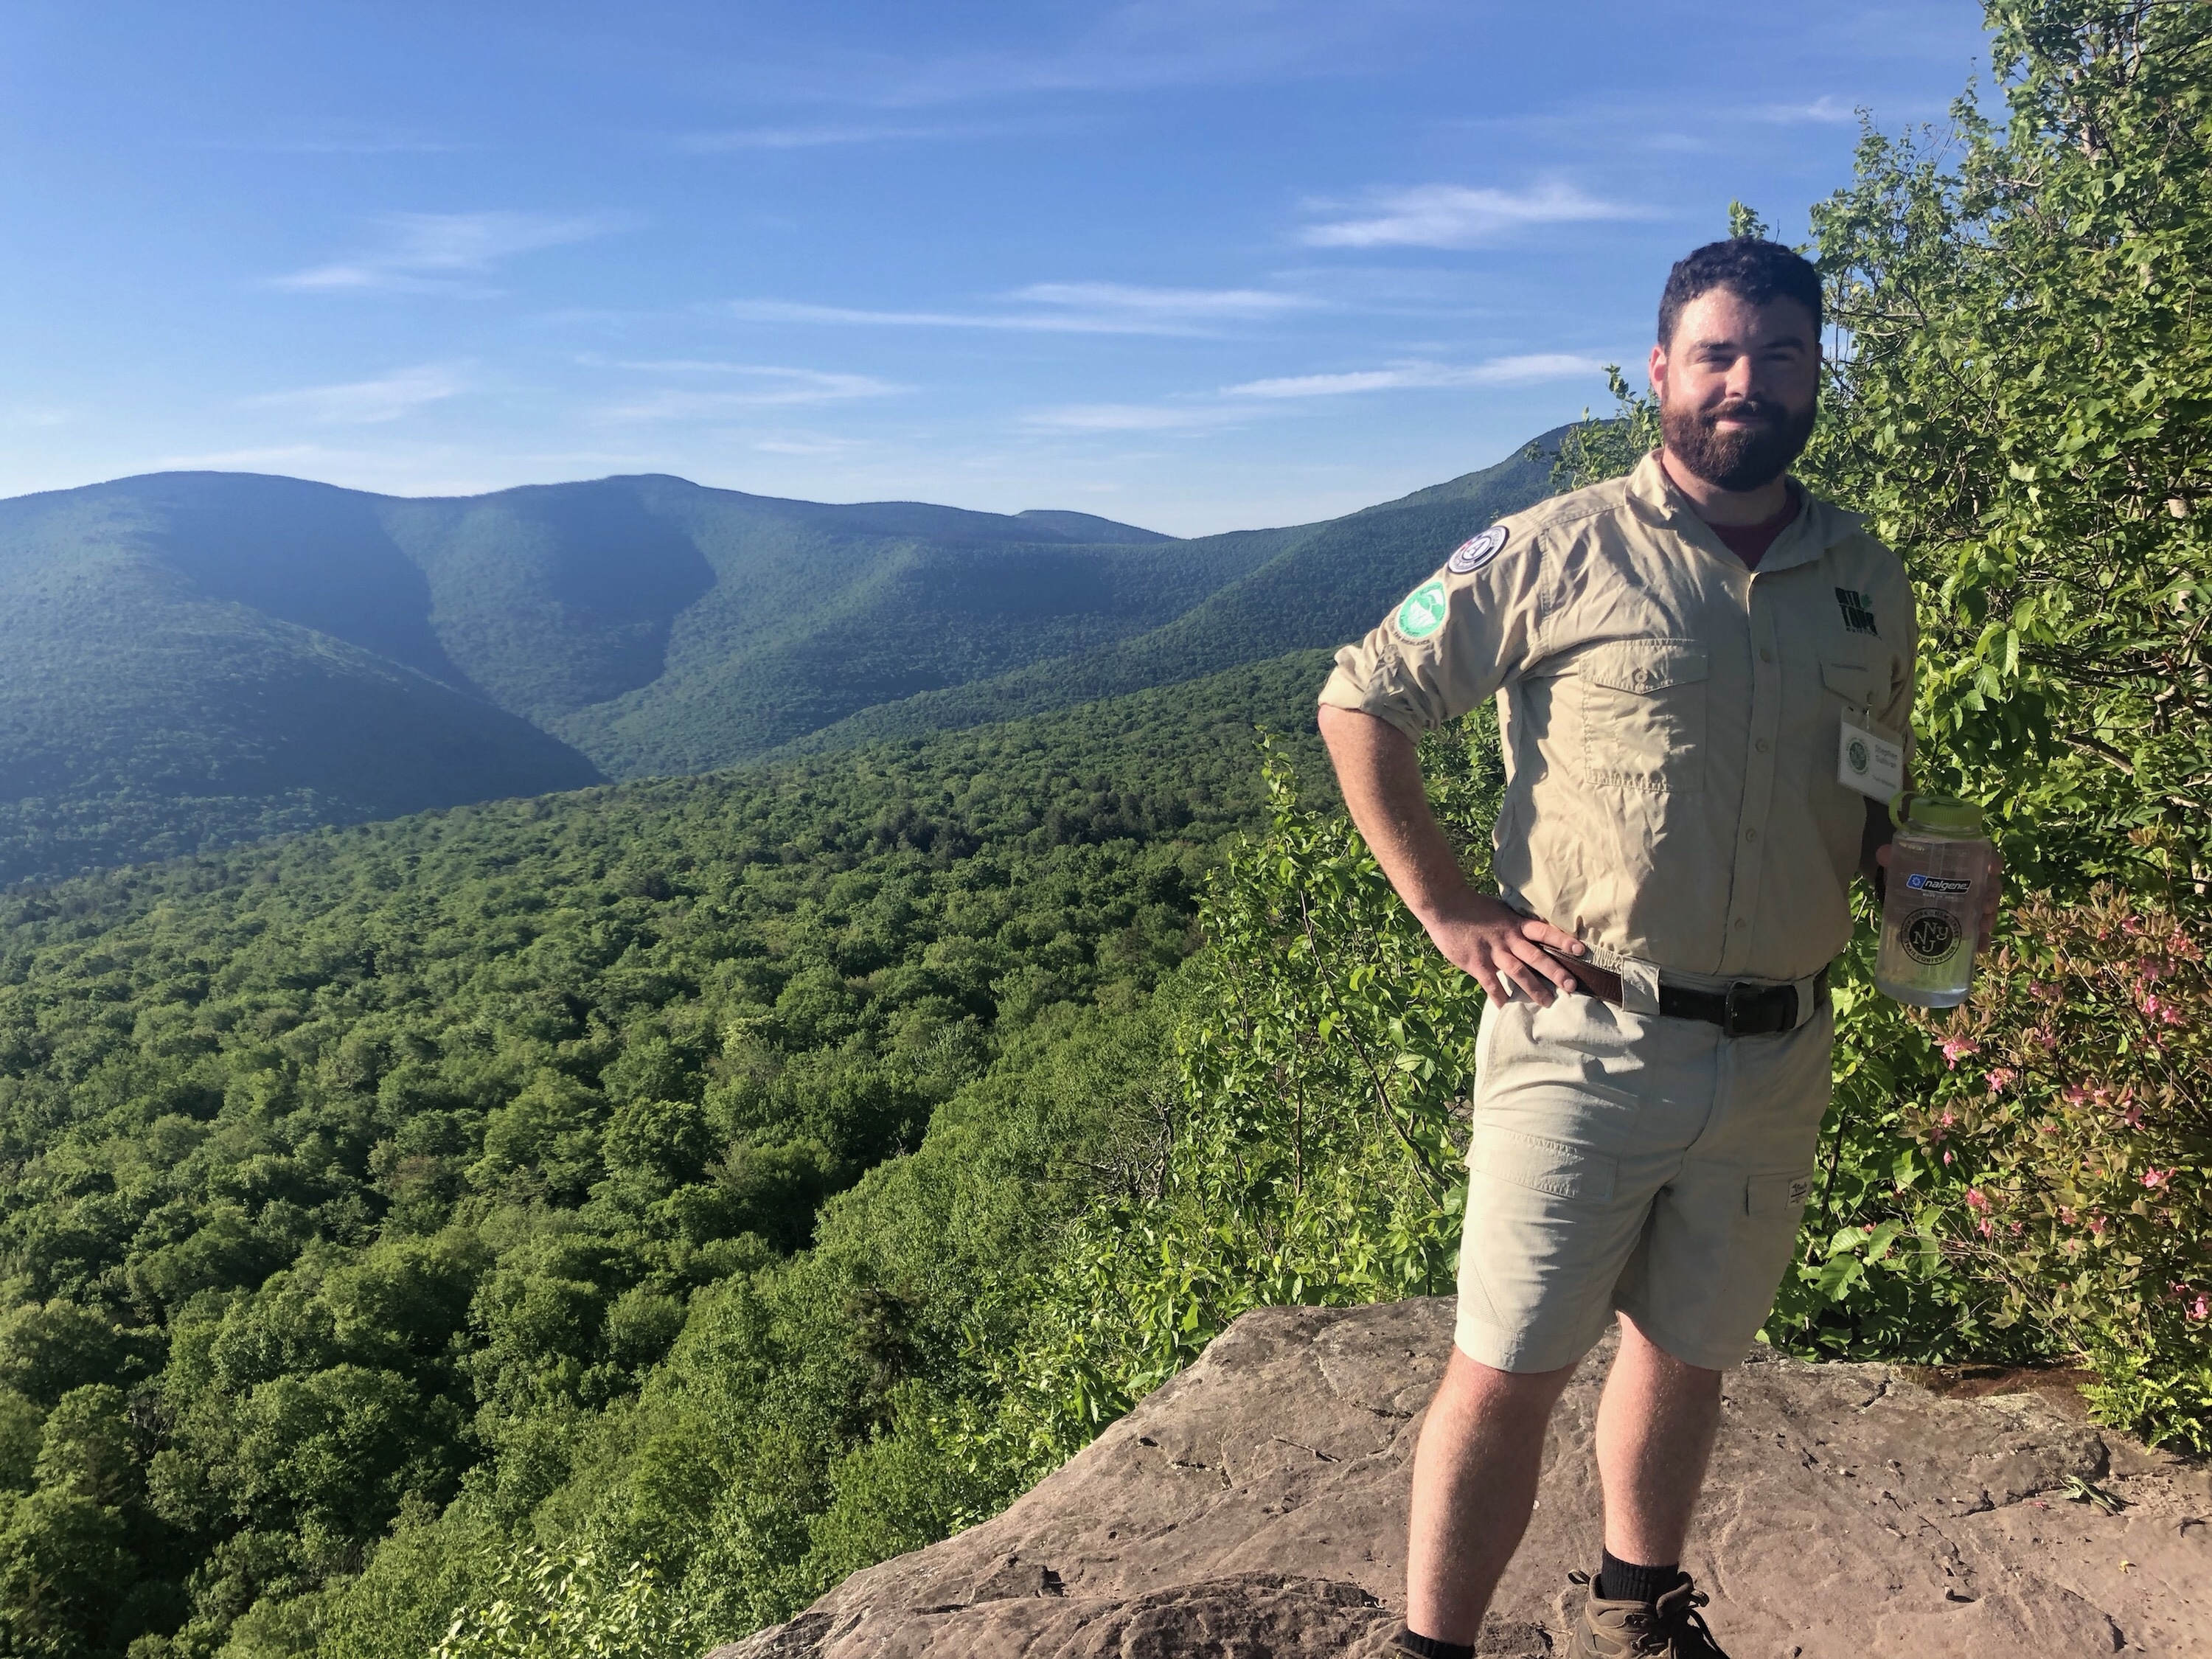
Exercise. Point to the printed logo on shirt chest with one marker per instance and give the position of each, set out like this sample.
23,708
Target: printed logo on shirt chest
1858,612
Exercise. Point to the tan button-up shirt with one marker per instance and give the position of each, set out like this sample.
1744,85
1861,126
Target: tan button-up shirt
1671,722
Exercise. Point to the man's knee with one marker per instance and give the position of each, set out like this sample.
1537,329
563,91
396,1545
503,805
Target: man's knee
1643,1351
1471,1390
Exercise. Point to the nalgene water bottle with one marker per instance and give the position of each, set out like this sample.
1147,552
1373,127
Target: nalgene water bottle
1932,913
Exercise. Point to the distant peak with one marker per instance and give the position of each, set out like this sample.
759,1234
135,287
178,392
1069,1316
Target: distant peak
1088,527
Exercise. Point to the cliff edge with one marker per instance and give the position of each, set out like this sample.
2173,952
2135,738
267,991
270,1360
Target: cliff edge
1255,1507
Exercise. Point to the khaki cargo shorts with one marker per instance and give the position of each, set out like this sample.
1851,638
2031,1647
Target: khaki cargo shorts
1633,1161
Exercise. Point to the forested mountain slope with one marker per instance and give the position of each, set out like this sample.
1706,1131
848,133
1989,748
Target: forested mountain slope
192,659
167,683
1330,583
340,1168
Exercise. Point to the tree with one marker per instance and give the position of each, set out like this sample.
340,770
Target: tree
2024,407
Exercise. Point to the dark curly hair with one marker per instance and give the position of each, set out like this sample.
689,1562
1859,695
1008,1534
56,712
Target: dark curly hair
1751,266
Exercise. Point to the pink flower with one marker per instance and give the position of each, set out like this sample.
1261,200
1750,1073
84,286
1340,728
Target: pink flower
1948,1119
1984,1228
2153,1178
2001,1080
1946,1157
2076,1096
2169,1014
1957,1049
2096,1224
2202,1309
1975,1198
2153,1006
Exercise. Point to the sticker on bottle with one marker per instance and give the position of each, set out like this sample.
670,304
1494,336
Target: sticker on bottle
1868,758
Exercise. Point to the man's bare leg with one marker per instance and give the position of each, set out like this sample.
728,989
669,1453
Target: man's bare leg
1474,1482
1654,1432
1474,1473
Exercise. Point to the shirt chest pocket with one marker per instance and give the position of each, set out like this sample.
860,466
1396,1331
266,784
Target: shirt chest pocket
1644,715
1853,681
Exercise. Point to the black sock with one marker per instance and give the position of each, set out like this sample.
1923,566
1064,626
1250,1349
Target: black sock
1427,1647
1624,1581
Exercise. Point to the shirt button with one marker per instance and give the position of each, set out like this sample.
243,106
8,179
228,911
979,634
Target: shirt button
1739,924
1751,834
1765,655
1762,745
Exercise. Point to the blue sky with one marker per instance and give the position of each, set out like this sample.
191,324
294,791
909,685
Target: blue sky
1196,264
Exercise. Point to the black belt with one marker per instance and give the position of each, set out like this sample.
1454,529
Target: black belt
1746,1008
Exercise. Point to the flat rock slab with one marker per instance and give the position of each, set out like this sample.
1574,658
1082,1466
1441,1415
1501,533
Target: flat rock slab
1253,1508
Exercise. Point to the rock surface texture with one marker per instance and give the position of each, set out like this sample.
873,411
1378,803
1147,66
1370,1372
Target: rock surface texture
1255,1507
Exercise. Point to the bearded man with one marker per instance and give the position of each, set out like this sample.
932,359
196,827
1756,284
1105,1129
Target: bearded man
1675,654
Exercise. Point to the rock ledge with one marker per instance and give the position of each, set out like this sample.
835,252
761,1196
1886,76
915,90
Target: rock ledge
1255,1507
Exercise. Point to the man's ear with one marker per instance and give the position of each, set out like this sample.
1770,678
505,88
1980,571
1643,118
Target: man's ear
1657,368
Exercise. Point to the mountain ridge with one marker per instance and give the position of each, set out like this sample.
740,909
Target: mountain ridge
192,659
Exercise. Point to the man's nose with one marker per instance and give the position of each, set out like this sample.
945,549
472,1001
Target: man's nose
1742,378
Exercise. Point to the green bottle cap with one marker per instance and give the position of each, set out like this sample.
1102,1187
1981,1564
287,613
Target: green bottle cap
1940,815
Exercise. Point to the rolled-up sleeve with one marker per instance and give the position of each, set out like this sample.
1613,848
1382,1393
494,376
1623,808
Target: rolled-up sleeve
1417,671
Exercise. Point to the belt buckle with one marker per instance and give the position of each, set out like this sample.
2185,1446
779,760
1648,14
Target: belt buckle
1729,1005
1741,991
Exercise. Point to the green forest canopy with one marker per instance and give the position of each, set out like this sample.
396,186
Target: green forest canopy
342,1167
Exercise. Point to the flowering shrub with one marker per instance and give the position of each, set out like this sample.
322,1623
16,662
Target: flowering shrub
2074,1113
1875,1277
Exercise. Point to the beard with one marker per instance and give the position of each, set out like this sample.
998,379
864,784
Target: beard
1745,458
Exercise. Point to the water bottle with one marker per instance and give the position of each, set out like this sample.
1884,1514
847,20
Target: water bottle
1931,915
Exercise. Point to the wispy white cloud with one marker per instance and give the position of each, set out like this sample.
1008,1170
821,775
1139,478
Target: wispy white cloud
1059,308
428,251
1251,398
1176,304
760,385
368,403
1458,215
1499,371
1826,110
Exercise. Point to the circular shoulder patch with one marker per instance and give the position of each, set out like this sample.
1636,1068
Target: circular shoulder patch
1422,612
1477,551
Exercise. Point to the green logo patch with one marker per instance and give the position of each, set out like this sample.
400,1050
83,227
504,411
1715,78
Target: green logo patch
1422,612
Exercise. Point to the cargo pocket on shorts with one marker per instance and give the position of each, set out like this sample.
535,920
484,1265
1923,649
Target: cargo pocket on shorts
1770,1197
1761,1238
1543,1166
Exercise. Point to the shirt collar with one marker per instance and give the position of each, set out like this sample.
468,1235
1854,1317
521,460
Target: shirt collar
1817,527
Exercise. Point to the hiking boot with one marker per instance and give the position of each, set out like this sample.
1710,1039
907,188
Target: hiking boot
1668,1628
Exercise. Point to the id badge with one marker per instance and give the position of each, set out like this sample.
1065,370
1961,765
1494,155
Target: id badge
1869,759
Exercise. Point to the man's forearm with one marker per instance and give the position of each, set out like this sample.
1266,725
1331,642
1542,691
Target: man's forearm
1380,777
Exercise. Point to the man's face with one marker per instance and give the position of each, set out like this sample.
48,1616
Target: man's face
1738,387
